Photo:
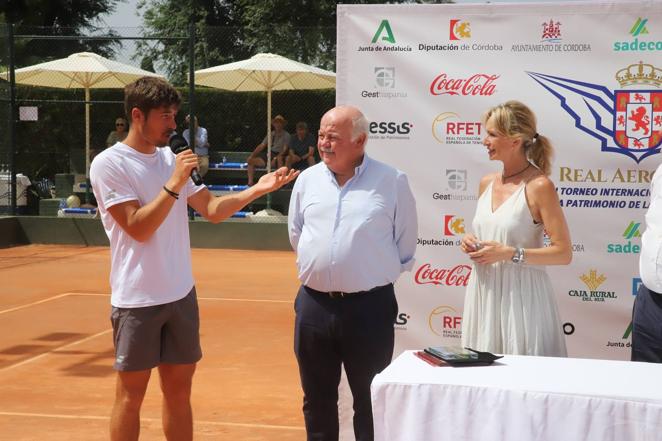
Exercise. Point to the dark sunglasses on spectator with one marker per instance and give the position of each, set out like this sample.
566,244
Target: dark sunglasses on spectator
120,124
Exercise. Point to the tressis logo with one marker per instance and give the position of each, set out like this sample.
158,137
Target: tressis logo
624,121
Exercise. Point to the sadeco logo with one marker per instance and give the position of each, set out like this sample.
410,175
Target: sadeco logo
390,128
638,29
631,232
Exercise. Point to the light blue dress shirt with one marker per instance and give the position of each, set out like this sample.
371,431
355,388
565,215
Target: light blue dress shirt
355,237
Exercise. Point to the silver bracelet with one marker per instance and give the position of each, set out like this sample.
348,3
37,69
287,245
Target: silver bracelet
518,257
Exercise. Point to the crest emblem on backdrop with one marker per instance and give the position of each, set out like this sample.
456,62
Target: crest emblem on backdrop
627,121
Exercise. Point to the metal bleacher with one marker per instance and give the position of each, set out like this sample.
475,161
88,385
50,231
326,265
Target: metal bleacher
226,175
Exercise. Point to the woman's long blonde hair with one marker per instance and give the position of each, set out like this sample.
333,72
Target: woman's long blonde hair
515,119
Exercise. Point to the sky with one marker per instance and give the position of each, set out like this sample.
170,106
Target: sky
126,21
124,16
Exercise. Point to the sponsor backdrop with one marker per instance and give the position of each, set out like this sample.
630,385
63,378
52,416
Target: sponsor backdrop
425,74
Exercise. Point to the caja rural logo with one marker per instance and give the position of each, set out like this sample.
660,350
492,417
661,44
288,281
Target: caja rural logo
624,121
450,128
593,281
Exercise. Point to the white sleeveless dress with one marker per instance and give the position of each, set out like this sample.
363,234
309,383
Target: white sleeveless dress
510,308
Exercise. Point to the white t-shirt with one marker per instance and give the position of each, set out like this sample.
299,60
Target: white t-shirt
159,270
650,260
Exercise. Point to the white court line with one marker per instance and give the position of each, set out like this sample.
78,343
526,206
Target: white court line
222,299
34,303
156,420
44,354
37,357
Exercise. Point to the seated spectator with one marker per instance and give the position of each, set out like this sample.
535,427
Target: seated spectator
302,148
201,144
120,132
280,140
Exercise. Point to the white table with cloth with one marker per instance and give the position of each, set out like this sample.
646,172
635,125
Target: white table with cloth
518,398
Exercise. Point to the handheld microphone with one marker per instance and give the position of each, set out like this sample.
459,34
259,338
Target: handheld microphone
178,144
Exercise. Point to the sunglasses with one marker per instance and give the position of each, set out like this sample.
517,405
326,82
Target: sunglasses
119,124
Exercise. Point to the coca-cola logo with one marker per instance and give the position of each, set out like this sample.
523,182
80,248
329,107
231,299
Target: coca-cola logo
456,276
478,84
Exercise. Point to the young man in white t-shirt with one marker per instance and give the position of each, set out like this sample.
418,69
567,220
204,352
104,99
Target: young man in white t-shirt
143,191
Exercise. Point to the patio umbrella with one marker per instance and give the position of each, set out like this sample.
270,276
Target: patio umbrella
83,70
266,72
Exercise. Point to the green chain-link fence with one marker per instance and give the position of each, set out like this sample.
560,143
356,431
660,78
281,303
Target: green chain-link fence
50,151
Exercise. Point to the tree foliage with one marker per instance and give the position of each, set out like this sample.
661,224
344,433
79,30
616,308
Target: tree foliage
227,31
57,18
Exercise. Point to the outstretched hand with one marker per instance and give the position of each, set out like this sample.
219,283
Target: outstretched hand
276,179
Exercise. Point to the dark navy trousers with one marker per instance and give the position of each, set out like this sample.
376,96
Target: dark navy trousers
647,326
356,331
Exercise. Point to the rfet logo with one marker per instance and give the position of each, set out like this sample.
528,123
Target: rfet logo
477,84
444,321
448,128
460,29
455,276
453,225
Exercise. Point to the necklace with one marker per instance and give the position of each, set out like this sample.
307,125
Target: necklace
504,177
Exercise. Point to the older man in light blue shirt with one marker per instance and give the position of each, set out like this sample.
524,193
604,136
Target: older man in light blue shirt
352,222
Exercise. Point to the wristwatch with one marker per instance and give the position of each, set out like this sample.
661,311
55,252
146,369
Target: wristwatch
518,256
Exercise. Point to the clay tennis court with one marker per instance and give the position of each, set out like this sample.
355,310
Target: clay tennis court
56,380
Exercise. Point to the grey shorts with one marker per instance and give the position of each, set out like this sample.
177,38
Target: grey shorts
153,335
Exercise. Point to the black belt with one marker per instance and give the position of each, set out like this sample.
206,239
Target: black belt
343,294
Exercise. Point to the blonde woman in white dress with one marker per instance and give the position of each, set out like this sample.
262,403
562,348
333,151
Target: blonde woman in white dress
510,305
